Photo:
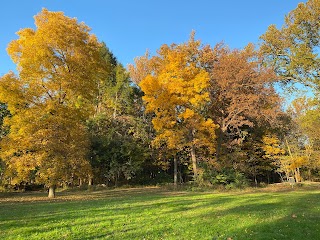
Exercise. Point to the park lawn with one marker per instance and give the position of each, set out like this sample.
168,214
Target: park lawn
156,213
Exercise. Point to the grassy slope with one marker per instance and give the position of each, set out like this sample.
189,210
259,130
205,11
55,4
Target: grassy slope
151,213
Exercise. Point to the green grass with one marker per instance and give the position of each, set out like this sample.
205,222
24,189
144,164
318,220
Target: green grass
154,213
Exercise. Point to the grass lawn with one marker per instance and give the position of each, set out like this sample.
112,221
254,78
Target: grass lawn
155,213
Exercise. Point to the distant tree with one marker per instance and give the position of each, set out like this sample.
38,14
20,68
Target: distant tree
293,50
304,135
60,68
273,150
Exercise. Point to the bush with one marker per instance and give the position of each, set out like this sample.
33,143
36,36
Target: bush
230,179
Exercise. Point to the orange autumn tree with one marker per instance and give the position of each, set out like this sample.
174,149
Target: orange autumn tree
176,91
242,93
59,66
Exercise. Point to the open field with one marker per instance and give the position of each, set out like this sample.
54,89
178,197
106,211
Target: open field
155,213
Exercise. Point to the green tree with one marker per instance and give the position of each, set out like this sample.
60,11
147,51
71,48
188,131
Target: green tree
118,135
293,49
117,148
60,68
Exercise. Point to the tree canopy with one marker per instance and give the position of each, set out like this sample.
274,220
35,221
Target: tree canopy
293,49
59,67
176,91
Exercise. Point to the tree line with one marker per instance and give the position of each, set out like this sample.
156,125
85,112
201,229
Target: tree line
73,115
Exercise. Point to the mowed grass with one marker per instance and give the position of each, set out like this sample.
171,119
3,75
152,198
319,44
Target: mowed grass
155,213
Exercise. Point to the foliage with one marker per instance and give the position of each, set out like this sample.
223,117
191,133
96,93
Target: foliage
271,146
117,148
302,142
117,94
3,113
176,92
119,140
244,104
293,49
59,66
230,178
3,131
241,88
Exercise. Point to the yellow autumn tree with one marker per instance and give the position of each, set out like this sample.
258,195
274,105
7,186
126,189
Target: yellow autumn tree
176,91
271,146
59,67
288,158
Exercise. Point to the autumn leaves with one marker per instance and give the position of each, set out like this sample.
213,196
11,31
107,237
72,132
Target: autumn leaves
59,67
195,91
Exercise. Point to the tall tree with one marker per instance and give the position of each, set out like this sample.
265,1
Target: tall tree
241,92
118,141
293,49
176,91
60,67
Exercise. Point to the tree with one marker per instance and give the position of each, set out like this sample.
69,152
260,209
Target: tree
293,49
176,91
274,152
59,66
242,95
305,116
116,91
117,132
117,148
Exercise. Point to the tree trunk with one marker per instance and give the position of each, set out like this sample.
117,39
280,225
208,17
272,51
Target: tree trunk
287,175
115,107
309,175
52,192
80,182
219,144
175,171
298,175
194,162
90,181
255,180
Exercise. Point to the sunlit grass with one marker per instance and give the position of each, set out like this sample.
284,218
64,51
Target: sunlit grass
153,213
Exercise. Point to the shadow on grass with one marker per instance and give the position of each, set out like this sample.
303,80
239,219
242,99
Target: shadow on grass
156,214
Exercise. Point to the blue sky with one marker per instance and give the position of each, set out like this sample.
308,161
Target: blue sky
129,27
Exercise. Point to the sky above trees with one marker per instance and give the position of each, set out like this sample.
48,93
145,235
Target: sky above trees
130,27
